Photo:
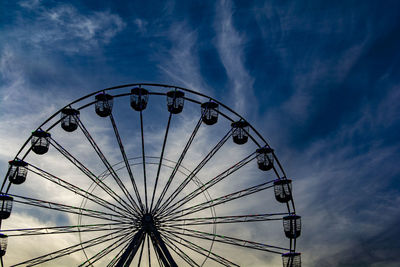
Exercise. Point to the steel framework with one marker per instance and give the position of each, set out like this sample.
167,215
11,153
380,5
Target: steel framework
146,210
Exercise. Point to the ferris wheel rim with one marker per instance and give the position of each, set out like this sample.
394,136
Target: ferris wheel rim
283,176
158,85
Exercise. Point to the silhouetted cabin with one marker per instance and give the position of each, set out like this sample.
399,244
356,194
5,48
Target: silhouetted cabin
40,141
104,104
139,98
175,100
265,158
292,226
240,130
6,203
291,259
209,111
3,244
283,190
69,119
17,171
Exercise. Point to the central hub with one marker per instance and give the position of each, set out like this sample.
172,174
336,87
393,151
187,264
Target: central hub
148,223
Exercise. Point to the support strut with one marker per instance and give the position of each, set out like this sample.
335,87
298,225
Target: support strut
161,249
148,227
129,254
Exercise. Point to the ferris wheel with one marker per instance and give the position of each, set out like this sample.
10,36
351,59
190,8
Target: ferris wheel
147,175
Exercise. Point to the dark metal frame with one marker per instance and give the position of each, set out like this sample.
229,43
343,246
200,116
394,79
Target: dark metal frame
168,230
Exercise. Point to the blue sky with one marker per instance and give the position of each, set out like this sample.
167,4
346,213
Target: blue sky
319,80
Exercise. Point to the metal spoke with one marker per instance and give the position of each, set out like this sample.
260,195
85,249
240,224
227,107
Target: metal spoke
5,180
65,229
161,258
210,183
178,163
161,159
224,219
196,170
141,253
69,209
148,249
157,256
226,240
128,167
75,189
125,206
71,249
161,249
143,160
205,252
108,165
98,256
132,255
221,200
179,252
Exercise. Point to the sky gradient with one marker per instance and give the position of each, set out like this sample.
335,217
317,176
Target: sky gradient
319,80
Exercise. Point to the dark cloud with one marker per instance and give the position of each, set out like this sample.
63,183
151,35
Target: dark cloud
380,249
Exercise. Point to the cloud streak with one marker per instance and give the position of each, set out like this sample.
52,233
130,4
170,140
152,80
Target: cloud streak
230,45
64,28
181,61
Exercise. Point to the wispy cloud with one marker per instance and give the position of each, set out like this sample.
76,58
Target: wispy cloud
30,4
230,44
141,25
342,176
181,62
21,108
362,174
64,28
